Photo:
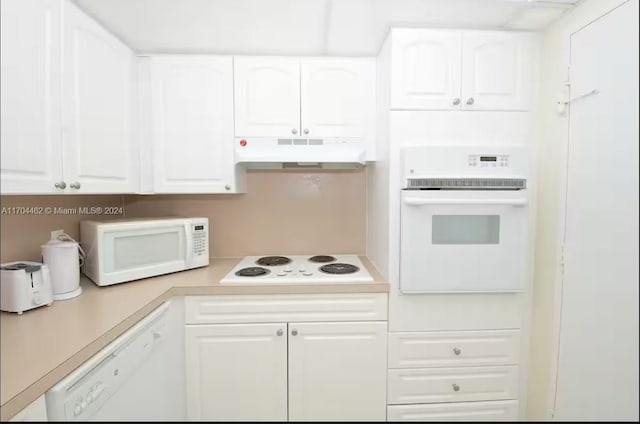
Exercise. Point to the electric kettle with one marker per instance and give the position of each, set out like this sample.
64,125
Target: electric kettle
63,256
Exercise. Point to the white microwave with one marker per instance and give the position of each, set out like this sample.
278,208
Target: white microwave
124,250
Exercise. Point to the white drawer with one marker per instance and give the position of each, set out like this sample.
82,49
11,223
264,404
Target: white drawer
433,385
283,308
506,410
453,348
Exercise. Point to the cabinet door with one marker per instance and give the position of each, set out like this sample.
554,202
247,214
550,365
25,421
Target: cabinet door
30,108
267,96
192,124
338,97
236,372
100,153
496,70
425,69
337,371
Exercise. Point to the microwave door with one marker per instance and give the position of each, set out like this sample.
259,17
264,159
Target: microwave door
138,253
462,241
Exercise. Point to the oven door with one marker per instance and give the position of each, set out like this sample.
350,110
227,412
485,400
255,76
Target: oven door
144,249
463,241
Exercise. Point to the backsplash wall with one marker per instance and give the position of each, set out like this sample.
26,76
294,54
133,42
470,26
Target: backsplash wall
283,212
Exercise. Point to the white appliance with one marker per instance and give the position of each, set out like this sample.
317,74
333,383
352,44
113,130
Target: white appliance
24,285
126,250
294,269
136,377
265,152
63,255
463,219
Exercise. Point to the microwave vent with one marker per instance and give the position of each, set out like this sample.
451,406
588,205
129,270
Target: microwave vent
467,183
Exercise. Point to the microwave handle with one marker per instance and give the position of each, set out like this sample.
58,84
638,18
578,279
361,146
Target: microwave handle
189,243
414,201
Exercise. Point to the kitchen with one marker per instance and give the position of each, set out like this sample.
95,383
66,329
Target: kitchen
420,151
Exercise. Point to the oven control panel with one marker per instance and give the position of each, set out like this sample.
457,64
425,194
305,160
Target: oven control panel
488,161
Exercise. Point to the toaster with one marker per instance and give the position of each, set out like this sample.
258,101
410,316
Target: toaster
24,285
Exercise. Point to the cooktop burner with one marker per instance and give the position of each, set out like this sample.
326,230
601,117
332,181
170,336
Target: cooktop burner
338,268
254,271
322,258
273,260
298,269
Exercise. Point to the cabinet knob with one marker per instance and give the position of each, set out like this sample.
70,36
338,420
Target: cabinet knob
227,187
455,387
470,101
75,185
306,130
456,351
61,185
294,332
280,332
294,131
456,101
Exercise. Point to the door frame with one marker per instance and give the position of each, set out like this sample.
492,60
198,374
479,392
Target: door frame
563,180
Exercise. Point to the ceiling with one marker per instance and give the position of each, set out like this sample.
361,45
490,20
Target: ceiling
301,27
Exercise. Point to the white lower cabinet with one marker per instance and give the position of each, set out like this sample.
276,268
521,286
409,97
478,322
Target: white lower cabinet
453,375
294,369
505,410
336,371
236,372
431,385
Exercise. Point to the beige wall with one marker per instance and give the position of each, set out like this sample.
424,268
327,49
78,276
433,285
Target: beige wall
551,177
283,212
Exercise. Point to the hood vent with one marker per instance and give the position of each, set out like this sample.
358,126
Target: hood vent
297,153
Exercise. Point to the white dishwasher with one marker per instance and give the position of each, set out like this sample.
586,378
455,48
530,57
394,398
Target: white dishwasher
136,377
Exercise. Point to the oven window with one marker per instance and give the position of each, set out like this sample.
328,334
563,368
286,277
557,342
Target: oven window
465,229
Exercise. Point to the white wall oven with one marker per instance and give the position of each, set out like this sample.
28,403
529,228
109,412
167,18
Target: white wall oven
463,219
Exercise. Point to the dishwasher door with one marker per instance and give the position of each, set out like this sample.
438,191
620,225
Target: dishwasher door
136,378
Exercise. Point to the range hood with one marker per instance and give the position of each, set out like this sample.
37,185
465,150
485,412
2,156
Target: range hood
278,153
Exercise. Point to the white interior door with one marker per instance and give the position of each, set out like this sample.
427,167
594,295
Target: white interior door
496,70
267,96
192,104
598,358
100,152
338,96
30,111
425,69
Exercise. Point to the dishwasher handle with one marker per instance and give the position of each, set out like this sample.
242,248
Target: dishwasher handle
415,201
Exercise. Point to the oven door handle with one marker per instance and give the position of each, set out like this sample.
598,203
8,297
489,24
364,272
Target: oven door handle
414,201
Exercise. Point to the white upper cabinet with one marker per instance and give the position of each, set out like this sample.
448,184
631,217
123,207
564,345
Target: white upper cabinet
497,69
67,96
426,69
461,70
31,93
192,124
304,97
100,152
267,96
337,97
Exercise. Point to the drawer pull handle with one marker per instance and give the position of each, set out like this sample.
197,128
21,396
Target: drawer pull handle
456,387
456,351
